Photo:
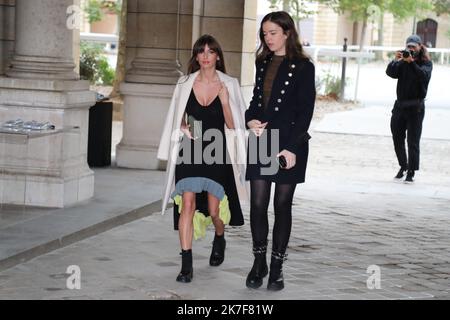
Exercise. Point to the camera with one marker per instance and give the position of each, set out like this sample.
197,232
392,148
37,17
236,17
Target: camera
406,53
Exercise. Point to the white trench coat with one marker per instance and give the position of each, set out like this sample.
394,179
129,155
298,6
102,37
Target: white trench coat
236,139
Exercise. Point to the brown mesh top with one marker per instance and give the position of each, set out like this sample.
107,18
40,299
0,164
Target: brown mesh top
271,72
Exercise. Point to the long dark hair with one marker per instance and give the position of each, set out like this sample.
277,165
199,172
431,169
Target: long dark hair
294,49
199,46
423,54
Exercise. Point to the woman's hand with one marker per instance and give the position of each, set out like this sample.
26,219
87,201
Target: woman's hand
186,131
224,97
290,157
223,94
257,127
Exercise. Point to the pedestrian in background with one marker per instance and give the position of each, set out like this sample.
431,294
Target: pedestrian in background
412,67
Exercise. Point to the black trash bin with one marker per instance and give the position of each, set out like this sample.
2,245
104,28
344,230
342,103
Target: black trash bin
100,134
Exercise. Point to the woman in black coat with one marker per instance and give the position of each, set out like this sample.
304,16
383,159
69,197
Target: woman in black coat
279,116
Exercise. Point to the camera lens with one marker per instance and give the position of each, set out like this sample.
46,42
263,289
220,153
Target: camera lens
405,53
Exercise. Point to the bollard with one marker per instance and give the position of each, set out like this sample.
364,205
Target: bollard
344,65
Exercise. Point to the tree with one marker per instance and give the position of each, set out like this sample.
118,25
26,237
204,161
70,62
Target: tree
366,10
94,9
298,9
441,7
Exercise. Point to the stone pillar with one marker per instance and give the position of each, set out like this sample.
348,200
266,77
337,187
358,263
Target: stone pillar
43,48
41,85
233,24
7,8
160,38
154,28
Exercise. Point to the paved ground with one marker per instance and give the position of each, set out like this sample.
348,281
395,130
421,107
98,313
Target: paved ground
348,216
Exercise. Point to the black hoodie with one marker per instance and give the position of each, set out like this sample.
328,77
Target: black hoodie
413,78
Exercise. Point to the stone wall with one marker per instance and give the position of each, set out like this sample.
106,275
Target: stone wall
7,9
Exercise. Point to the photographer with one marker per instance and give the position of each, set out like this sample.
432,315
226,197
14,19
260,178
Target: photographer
412,67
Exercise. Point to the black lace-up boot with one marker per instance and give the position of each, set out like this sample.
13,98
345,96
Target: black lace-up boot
259,269
276,280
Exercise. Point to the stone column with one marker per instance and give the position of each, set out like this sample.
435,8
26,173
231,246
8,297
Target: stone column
154,29
161,34
41,85
7,8
233,24
43,48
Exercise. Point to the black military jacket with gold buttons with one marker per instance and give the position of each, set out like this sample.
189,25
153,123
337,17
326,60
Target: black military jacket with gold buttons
291,104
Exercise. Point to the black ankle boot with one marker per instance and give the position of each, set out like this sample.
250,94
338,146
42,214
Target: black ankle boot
409,176
218,251
276,280
259,269
186,272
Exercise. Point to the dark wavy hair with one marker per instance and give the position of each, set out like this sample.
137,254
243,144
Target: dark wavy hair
199,46
294,49
423,55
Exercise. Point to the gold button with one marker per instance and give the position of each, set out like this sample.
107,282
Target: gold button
276,109
286,83
279,100
282,91
290,74
293,66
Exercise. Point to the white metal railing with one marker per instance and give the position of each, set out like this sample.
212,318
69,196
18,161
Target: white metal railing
331,50
99,37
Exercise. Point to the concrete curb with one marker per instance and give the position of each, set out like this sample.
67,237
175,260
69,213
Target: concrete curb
136,214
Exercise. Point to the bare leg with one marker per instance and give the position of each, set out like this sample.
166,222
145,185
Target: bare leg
213,206
185,224
219,243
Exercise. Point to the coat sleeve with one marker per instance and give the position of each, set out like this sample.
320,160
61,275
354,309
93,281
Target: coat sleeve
164,143
423,71
306,98
393,68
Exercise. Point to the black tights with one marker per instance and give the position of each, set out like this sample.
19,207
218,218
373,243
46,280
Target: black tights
260,197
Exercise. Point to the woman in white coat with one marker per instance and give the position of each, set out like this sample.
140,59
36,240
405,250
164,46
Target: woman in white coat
204,131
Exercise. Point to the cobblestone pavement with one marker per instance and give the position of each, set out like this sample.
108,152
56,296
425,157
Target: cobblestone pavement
350,215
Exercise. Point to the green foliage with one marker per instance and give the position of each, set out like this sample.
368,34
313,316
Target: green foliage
360,10
94,65
94,9
330,83
296,8
441,6
106,73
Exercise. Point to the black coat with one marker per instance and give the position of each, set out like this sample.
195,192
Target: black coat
290,110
